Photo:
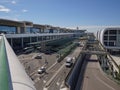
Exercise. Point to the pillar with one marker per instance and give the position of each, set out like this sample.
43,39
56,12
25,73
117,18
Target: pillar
22,42
18,30
11,43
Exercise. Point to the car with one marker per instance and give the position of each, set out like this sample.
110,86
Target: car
39,56
41,70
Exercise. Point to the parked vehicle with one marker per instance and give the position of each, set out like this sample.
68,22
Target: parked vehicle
41,70
39,56
28,50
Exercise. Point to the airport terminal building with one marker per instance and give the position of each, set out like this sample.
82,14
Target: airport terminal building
110,38
20,33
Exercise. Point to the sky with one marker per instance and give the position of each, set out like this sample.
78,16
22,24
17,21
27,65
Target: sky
85,14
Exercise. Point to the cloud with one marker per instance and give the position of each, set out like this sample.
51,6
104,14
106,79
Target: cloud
10,18
8,2
24,10
4,9
13,2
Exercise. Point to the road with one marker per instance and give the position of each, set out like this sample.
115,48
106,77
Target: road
57,72
95,78
60,77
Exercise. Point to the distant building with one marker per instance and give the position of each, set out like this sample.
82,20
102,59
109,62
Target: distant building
110,38
20,33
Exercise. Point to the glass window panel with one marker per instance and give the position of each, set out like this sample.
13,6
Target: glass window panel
105,37
7,29
113,32
106,32
105,43
112,38
111,44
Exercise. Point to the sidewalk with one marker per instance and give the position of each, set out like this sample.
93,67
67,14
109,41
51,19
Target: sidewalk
116,59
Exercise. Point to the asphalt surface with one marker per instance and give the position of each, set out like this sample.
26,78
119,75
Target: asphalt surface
59,70
59,79
95,78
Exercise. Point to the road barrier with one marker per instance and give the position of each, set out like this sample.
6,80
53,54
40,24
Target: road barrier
71,79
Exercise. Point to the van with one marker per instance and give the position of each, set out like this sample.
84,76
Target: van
69,62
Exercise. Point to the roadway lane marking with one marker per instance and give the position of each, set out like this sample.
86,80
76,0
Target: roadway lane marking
44,81
58,83
52,66
52,78
45,88
86,82
103,82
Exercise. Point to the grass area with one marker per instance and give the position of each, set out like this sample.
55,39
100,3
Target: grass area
65,51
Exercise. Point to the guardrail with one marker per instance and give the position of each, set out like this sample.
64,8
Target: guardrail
5,77
110,58
72,75
35,35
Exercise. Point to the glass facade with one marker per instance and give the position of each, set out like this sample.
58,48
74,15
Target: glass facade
106,32
28,29
105,37
112,44
8,29
113,32
32,30
112,37
35,30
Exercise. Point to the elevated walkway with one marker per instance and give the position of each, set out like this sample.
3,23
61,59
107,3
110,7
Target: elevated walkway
5,77
94,52
12,73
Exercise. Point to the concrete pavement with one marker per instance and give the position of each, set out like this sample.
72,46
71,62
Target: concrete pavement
95,78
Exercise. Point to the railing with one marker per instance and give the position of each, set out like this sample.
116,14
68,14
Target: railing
108,55
78,63
5,78
34,35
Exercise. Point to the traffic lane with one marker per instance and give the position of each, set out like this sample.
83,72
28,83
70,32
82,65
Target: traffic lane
95,79
42,79
63,73
76,52
56,84
52,71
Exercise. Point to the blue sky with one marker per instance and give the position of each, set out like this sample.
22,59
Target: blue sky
63,13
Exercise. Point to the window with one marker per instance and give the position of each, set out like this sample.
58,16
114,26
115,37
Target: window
111,44
113,32
105,37
7,29
28,30
119,31
35,30
105,43
106,32
112,37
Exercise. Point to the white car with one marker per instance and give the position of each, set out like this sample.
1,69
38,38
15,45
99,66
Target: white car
41,70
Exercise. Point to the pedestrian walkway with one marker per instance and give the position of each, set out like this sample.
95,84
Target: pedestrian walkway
116,59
